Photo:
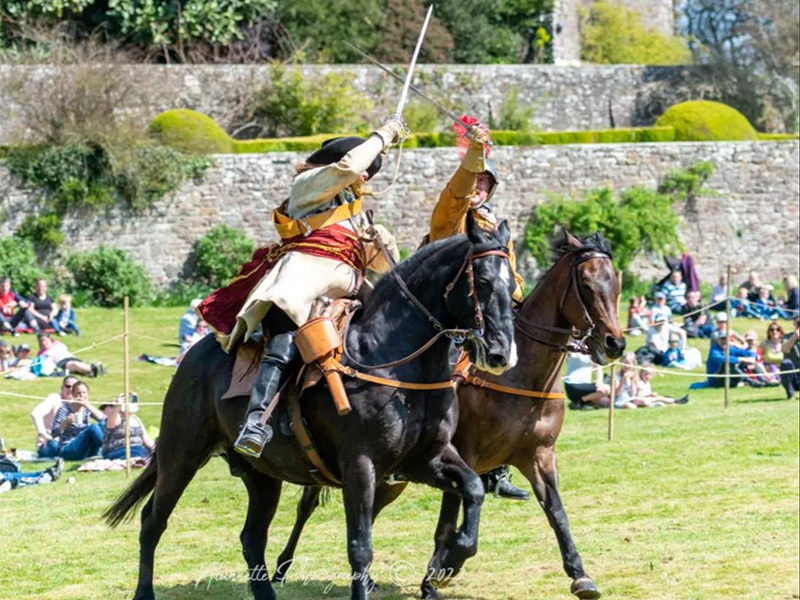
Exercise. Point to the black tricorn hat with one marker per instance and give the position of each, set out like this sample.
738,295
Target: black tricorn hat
333,150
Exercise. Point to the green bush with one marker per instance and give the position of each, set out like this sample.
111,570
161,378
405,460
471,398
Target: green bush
191,131
293,104
106,275
634,222
611,34
513,115
18,261
705,121
43,231
219,254
289,144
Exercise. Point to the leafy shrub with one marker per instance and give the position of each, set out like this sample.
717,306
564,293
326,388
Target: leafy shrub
612,34
421,117
106,275
191,131
219,254
18,261
635,222
705,121
292,104
43,231
513,115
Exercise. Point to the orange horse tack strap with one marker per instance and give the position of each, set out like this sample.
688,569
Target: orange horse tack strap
482,383
288,228
405,385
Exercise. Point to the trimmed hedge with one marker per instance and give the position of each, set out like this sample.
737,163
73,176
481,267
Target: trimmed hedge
705,121
776,137
191,131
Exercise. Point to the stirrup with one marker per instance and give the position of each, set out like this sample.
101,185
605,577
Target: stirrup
252,439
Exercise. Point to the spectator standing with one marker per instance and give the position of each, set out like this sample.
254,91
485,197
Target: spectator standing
188,322
10,302
44,414
675,289
114,438
695,320
791,353
660,307
792,294
584,384
65,317
39,311
75,437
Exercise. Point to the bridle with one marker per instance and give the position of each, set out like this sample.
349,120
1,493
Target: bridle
578,337
459,336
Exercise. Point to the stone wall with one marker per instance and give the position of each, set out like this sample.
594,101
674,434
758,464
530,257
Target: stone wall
751,222
564,97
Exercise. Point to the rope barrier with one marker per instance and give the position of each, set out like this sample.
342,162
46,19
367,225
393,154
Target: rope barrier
692,373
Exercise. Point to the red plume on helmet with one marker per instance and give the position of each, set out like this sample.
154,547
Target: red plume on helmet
462,141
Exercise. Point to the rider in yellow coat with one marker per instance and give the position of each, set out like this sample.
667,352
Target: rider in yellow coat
470,188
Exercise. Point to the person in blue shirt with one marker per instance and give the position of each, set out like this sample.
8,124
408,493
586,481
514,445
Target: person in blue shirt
65,317
188,322
675,290
715,364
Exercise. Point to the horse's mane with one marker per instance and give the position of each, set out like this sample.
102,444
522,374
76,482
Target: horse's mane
412,267
560,247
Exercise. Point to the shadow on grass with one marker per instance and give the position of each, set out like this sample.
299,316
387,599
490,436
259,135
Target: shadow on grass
296,590
760,400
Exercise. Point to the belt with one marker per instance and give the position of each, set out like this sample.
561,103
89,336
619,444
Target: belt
290,228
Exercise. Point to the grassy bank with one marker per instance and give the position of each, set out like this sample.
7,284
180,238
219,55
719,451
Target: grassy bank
692,502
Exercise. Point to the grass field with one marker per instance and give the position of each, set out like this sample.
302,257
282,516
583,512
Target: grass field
688,503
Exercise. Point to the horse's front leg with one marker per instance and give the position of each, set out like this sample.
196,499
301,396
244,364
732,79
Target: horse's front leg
358,482
450,473
543,475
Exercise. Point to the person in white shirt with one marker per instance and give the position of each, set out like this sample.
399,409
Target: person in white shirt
43,413
584,383
55,354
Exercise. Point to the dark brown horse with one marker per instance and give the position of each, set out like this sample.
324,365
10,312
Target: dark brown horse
461,283
576,296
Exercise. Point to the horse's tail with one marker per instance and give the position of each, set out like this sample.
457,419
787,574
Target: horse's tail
133,496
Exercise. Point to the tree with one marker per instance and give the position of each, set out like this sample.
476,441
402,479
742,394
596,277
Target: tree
403,22
751,50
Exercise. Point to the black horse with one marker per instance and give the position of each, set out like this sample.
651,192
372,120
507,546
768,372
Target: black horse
463,282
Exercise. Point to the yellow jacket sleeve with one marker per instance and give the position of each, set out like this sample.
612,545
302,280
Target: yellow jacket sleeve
450,213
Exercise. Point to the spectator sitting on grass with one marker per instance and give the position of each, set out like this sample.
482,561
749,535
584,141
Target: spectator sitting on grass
626,386
675,289
65,317
771,350
6,356
791,362
792,303
751,285
660,307
55,355
201,330
742,306
74,438
695,323
719,293
638,316
188,322
23,360
723,329
584,383
759,374
9,304
646,397
765,307
44,414
715,364
13,479
38,311
114,437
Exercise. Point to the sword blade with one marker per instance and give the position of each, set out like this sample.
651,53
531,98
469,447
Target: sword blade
447,113
402,102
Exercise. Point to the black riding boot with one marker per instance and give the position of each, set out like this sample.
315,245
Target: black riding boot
498,482
277,364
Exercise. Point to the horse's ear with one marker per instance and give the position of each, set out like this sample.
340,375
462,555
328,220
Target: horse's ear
503,232
476,233
571,240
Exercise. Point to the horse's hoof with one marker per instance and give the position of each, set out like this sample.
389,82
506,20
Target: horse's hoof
429,592
585,589
279,578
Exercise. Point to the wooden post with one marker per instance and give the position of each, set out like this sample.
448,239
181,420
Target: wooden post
728,344
127,384
613,374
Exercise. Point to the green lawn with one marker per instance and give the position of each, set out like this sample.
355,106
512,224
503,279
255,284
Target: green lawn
688,503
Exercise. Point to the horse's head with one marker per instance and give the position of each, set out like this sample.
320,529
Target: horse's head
479,298
590,299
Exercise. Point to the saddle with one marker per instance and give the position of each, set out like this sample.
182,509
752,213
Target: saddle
319,341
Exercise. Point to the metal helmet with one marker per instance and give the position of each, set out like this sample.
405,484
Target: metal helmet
491,171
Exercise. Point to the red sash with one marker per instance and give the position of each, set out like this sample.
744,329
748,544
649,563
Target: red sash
334,241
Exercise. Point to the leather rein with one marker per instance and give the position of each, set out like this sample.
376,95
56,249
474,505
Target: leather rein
457,335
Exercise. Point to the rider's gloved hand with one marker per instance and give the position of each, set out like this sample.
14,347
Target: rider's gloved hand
392,130
478,137
474,160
